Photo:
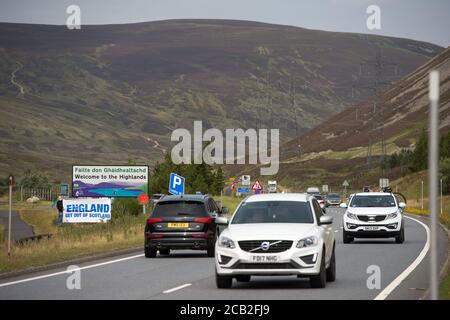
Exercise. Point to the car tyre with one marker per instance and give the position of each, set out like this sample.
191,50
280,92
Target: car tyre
223,282
331,270
401,237
346,238
150,252
165,252
211,251
243,278
319,280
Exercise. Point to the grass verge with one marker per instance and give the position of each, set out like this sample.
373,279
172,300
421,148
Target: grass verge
70,241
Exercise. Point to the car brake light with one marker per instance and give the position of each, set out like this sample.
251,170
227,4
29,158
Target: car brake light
203,220
153,220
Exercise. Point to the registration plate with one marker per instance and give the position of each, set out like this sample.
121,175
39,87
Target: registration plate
265,258
371,228
178,225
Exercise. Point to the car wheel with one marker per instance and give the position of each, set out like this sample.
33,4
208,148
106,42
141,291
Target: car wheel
243,278
150,252
210,251
319,281
400,238
223,282
331,270
165,252
346,238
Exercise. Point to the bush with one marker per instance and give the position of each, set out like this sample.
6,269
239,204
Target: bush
125,206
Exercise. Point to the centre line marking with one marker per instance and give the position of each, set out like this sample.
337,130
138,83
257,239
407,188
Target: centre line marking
178,288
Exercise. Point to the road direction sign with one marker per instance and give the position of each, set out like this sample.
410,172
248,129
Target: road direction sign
245,180
345,183
257,186
325,188
176,184
243,190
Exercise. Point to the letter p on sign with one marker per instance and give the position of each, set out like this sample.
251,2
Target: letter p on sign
176,184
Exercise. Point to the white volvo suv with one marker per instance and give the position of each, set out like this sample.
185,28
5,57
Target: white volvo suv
276,234
373,215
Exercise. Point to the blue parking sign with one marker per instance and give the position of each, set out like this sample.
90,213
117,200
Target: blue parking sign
176,184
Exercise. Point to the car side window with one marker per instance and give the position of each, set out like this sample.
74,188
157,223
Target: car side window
317,210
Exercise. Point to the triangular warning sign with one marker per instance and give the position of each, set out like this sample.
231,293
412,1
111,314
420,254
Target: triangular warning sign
257,186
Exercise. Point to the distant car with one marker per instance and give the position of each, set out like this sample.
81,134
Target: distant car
182,222
333,199
313,191
276,234
373,215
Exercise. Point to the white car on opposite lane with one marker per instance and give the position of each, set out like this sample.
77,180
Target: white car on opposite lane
276,234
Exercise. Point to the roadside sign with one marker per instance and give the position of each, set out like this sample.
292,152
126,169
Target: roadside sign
325,188
257,186
384,182
143,198
245,180
231,179
87,210
243,190
64,189
345,183
176,184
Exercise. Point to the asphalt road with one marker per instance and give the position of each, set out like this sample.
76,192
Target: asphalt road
19,228
190,274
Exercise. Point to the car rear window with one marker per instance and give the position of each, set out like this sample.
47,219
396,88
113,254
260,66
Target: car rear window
179,208
273,212
334,196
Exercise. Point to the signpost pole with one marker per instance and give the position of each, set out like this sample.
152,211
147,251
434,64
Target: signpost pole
143,209
421,194
433,160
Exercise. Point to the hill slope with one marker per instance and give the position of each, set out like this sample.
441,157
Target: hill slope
103,94
338,148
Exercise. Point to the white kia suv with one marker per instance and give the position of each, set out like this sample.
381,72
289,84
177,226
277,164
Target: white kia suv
373,215
276,234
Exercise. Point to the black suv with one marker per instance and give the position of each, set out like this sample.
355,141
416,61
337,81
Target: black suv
182,222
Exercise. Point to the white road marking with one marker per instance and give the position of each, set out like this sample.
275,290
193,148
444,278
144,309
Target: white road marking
397,281
69,272
177,288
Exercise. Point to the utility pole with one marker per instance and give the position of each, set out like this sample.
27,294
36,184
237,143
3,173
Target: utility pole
433,162
421,202
378,105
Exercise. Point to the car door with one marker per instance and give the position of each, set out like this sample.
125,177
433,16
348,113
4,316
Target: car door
328,235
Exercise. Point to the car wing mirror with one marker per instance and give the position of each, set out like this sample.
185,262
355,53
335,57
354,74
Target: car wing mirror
222,221
325,220
343,205
224,210
402,205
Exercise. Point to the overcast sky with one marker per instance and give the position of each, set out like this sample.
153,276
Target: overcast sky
426,20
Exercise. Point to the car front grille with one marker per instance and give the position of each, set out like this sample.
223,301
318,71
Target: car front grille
255,246
265,266
375,218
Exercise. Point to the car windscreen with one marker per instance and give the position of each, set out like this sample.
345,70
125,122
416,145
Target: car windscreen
179,208
318,197
273,212
373,201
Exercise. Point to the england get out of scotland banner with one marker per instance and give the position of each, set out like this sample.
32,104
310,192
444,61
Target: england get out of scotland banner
109,181
86,210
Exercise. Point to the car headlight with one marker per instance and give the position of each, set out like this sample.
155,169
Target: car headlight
307,242
226,243
392,215
352,216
